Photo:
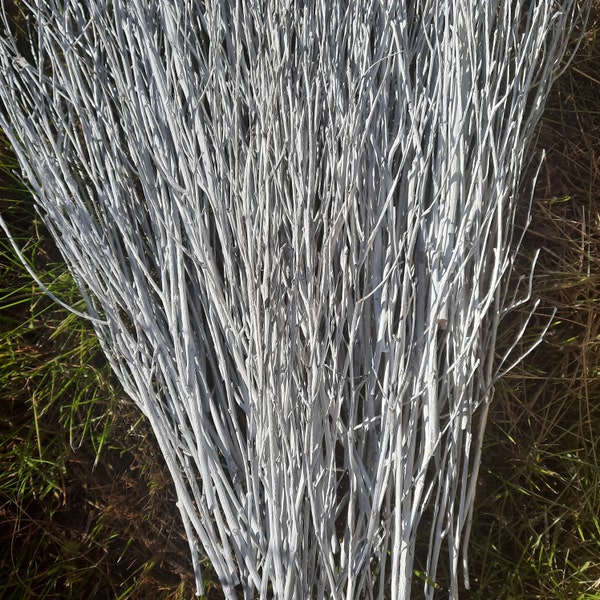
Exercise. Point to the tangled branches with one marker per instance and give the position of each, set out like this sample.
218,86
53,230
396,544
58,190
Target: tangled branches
292,225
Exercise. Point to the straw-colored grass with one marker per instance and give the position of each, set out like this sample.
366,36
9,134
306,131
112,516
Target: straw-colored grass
539,508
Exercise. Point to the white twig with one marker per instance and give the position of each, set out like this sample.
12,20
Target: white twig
292,224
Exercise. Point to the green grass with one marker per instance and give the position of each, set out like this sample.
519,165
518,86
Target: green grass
538,519
87,508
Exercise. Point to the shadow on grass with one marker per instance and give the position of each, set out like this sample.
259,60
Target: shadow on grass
86,506
537,525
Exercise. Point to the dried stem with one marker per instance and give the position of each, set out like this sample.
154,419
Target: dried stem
292,225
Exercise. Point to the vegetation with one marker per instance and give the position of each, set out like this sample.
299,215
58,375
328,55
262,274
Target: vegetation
86,507
538,533
86,504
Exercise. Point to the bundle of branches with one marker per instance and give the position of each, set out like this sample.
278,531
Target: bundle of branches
292,224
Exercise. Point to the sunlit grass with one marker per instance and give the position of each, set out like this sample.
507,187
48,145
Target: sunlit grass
80,481
85,506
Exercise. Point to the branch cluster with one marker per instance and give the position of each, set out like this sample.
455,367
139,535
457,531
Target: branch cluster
292,224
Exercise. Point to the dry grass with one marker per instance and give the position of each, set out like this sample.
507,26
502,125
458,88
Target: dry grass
539,498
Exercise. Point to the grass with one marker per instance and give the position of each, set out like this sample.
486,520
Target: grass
538,532
86,505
